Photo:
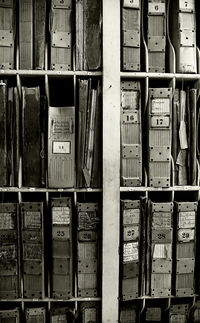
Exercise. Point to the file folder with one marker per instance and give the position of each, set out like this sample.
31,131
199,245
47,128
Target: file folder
161,234
88,35
131,38
31,136
183,34
61,147
32,249
7,39
26,34
186,213
156,35
131,249
62,273
9,252
61,35
131,137
159,136
88,261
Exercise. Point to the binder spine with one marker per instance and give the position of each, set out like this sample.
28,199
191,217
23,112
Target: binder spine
61,147
131,138
32,249
11,315
161,249
159,136
7,30
131,247
179,313
62,263
9,254
156,35
61,35
3,141
61,314
36,314
39,33
31,137
131,37
186,213
26,34
88,249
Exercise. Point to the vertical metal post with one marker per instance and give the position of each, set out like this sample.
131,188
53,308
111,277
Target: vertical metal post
111,159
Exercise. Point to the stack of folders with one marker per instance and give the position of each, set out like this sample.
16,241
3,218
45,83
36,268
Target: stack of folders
88,34
89,134
184,137
9,138
32,24
7,40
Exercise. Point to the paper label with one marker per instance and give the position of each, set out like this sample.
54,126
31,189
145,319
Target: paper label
186,219
130,251
160,106
8,252
7,221
160,122
131,216
62,126
129,100
183,135
162,251
162,220
61,215
32,219
185,235
88,220
61,147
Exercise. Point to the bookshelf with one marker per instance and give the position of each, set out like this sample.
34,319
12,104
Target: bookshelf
111,190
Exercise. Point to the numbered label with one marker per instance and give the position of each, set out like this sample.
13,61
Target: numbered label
156,8
131,3
160,122
130,117
61,147
185,235
131,233
186,5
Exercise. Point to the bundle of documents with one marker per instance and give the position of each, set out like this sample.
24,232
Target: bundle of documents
89,134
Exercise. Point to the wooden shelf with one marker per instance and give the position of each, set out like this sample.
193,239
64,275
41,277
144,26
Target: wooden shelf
75,299
48,72
49,190
159,189
165,76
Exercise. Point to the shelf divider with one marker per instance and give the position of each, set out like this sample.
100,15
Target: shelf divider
111,159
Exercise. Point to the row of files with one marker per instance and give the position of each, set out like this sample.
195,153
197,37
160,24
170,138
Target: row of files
29,29
59,144
159,136
160,36
159,243
33,246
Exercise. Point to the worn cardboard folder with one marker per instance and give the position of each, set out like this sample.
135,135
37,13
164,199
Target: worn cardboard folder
32,249
159,136
61,147
131,134
62,274
131,37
